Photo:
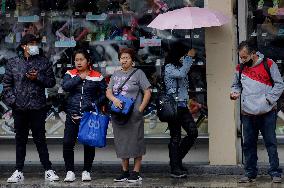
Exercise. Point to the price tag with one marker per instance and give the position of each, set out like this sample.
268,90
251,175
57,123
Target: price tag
90,13
43,40
69,65
150,11
158,62
60,90
59,65
8,15
198,89
187,36
119,12
200,63
279,61
42,14
169,37
77,13
196,36
110,12
96,65
264,34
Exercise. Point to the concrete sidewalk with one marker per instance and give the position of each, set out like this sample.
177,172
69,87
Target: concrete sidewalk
154,175
149,180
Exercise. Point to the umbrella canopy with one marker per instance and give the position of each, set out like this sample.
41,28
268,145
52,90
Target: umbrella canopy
189,18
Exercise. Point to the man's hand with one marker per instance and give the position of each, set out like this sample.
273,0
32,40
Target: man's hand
32,75
234,96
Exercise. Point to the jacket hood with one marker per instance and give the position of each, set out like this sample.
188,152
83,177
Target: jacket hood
260,58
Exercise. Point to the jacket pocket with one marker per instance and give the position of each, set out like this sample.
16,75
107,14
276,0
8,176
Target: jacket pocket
256,104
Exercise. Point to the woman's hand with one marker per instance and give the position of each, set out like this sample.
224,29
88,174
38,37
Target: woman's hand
141,109
83,75
191,52
117,103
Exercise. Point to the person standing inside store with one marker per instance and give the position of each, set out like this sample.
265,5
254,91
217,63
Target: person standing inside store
24,83
86,87
258,107
129,137
176,75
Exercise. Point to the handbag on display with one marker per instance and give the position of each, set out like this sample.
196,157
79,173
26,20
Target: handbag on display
93,128
167,105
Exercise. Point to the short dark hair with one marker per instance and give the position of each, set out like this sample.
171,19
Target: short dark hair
250,45
129,51
85,53
28,38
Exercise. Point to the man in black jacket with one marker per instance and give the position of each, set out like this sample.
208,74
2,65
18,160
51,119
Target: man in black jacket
24,83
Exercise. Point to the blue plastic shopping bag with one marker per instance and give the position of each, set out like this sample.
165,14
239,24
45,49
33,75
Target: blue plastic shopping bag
93,129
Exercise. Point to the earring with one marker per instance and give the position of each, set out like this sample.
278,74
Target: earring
133,64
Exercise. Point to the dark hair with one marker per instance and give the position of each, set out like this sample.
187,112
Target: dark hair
250,45
129,51
85,53
28,24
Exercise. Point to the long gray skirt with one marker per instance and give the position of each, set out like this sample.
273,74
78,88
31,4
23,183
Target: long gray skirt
129,138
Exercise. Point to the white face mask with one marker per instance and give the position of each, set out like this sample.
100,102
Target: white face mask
33,50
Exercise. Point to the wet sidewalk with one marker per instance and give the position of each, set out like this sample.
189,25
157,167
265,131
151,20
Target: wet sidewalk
149,180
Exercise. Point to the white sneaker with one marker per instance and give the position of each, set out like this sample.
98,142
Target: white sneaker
70,177
51,176
86,176
16,177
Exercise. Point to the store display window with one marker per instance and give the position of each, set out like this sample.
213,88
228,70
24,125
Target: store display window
266,25
102,26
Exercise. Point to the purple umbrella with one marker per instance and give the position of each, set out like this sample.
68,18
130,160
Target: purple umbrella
189,18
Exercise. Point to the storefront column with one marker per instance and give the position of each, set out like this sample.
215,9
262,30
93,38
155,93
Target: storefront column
220,43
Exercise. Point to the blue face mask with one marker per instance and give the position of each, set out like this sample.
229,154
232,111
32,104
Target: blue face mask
33,50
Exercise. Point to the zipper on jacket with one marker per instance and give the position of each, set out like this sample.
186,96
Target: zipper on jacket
81,99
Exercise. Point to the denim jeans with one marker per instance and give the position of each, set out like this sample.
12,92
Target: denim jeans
266,124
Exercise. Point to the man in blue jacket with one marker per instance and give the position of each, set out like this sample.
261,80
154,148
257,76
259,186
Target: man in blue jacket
258,81
24,82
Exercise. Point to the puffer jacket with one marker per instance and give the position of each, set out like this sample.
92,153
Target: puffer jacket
256,88
83,93
21,93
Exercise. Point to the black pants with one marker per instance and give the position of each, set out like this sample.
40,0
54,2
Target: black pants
70,137
24,121
179,148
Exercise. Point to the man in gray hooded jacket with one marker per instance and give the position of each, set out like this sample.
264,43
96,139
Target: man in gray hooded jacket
259,94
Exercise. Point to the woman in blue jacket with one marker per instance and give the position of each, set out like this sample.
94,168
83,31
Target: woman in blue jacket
85,87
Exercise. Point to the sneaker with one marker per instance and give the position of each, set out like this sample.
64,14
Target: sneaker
70,177
134,177
16,177
123,177
86,176
178,173
51,176
246,179
276,179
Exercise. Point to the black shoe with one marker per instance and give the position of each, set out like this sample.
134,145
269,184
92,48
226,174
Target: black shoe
182,168
123,177
134,177
246,180
276,179
178,173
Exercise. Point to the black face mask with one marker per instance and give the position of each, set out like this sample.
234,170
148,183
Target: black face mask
249,63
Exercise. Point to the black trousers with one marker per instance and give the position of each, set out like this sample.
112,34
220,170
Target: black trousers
178,147
24,121
70,137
